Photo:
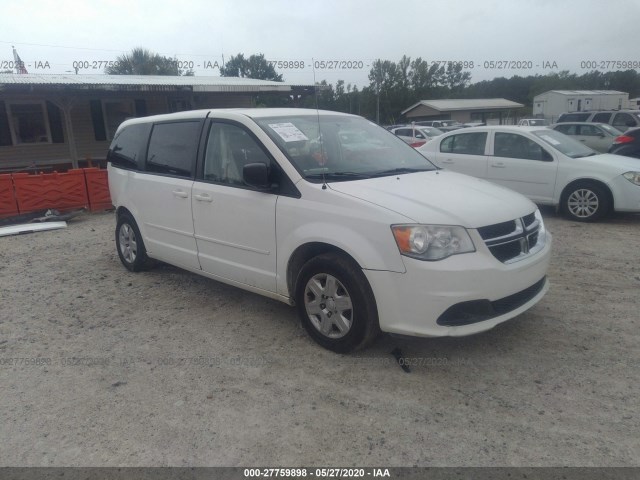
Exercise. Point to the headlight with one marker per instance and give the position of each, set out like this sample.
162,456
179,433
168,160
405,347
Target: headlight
633,177
432,242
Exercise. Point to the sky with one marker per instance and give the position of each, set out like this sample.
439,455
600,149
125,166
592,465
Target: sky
495,38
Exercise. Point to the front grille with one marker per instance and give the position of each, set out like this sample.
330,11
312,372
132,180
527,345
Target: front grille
529,219
497,230
513,240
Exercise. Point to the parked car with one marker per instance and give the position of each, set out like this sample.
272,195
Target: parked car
620,119
442,125
545,165
598,136
359,240
533,122
627,144
416,136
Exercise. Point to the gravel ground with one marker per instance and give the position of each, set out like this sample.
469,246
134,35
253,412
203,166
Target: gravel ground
102,367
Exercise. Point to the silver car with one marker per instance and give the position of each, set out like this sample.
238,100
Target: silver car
598,136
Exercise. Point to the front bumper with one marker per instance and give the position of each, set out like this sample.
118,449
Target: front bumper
626,195
428,300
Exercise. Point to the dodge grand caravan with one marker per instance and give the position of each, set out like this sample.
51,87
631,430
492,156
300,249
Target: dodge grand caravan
330,213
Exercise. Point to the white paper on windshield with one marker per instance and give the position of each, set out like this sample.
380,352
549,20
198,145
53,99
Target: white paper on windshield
288,132
549,139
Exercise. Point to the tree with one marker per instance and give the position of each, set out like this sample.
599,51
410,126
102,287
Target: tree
256,66
144,62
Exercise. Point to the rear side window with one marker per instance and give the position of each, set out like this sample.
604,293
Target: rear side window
127,148
622,121
173,147
573,117
601,118
465,143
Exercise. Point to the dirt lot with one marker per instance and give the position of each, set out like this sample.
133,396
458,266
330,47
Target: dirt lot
168,368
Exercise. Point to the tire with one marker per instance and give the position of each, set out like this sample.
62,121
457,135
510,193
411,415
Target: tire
129,244
346,318
585,202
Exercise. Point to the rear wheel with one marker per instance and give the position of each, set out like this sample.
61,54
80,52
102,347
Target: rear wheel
129,243
335,303
585,202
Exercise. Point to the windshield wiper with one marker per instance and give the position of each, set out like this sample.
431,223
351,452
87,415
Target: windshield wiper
338,175
394,171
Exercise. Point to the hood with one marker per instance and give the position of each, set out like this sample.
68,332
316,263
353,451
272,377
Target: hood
440,197
612,162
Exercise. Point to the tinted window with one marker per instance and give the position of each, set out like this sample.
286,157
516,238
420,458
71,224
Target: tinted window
127,147
623,120
229,149
601,118
589,130
512,145
173,147
573,117
566,129
465,143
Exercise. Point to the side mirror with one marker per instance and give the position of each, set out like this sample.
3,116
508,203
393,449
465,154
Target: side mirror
256,175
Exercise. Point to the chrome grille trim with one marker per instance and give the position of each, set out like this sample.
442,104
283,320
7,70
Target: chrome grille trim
527,238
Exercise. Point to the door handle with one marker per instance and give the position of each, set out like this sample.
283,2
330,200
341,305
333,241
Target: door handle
498,165
448,160
180,193
203,198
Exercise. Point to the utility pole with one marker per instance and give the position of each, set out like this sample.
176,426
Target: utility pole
19,64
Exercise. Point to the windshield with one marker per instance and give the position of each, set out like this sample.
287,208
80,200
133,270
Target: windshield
339,148
564,144
612,130
538,123
431,131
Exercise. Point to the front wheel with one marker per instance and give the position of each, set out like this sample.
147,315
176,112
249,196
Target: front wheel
335,303
585,202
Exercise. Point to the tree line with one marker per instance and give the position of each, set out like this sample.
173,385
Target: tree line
393,86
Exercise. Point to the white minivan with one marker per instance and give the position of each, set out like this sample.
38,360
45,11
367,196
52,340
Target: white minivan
328,212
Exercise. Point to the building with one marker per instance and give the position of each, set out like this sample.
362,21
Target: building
58,121
551,104
485,110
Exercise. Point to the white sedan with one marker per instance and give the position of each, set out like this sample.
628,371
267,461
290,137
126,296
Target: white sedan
416,135
546,166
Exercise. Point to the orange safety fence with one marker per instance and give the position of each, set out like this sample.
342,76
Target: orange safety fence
97,189
22,193
8,204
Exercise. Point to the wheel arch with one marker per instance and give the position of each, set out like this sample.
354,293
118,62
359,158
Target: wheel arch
123,210
587,181
303,254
